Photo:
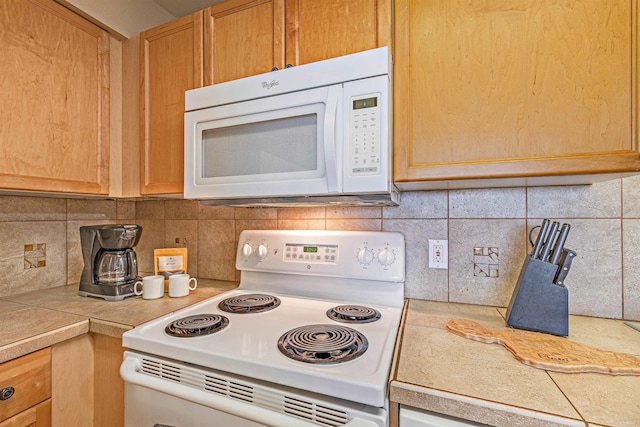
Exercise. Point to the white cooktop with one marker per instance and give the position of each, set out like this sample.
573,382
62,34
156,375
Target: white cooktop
248,346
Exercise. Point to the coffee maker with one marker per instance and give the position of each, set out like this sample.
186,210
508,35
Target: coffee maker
110,266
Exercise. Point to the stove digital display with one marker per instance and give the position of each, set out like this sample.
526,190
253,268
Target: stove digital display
316,254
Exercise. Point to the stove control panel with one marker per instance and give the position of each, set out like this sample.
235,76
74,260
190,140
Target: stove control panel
355,254
296,252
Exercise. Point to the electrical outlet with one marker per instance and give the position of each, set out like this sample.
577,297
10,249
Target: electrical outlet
438,254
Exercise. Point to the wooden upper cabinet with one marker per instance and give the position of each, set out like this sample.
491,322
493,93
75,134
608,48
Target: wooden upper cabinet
243,38
323,29
248,37
54,108
514,89
170,64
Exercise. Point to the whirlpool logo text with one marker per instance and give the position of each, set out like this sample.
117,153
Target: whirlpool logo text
269,85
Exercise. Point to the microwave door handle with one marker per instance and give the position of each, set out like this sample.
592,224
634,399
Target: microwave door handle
330,118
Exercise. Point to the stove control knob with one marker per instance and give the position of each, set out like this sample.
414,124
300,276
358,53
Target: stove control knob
247,250
263,251
365,256
386,257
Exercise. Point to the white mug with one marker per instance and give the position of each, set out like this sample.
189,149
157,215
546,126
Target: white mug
151,287
180,284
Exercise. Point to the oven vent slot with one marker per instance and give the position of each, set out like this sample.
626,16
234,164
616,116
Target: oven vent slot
313,412
228,388
261,395
162,370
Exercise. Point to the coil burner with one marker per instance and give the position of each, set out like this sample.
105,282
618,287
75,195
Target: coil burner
250,303
323,344
353,314
197,325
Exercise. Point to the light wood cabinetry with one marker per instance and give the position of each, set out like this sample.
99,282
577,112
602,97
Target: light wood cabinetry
248,37
72,375
109,386
505,90
26,391
317,30
170,64
87,387
242,38
54,108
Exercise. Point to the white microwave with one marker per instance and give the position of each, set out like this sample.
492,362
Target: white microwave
320,133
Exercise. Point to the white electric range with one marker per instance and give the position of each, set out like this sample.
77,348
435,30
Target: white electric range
306,339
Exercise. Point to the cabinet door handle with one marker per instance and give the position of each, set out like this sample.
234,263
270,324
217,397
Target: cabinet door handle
6,393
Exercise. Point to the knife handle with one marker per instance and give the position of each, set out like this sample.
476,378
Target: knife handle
565,265
557,248
540,239
549,241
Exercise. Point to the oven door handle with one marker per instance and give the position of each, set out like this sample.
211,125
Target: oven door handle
130,373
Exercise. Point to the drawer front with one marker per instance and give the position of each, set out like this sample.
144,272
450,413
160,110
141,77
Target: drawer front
37,416
29,377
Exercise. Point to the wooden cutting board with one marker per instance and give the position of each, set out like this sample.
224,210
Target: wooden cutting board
549,351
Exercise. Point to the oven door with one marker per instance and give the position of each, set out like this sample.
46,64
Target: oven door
161,392
283,145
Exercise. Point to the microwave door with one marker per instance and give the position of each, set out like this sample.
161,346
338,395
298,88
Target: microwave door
283,145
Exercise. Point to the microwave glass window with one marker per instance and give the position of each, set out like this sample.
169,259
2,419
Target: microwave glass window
276,146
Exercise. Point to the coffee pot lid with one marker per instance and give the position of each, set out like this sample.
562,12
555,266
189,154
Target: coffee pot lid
118,236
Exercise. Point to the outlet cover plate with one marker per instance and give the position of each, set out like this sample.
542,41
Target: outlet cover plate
438,254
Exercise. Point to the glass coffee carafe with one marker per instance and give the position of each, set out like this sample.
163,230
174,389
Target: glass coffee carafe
116,266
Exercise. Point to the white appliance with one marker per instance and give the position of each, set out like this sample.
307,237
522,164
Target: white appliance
318,355
318,133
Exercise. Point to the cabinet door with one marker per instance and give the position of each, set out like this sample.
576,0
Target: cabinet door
170,64
323,29
109,385
243,38
511,89
36,416
54,108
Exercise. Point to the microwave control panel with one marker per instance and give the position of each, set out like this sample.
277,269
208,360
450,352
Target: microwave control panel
364,135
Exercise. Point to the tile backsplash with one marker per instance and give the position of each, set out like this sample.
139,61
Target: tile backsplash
487,230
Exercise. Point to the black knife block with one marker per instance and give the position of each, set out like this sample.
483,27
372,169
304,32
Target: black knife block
538,304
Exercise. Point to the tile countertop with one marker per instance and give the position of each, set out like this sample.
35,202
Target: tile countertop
39,319
439,371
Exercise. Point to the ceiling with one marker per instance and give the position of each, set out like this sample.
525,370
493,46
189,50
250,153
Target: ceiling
127,18
180,8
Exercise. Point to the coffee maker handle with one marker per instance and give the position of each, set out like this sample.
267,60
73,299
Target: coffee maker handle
133,264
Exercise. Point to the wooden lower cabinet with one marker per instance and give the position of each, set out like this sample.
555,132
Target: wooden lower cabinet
72,382
87,387
109,386
26,390
36,416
